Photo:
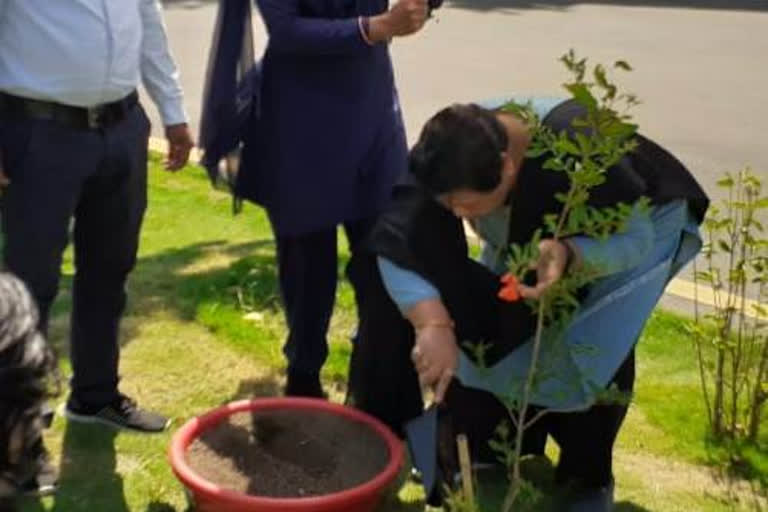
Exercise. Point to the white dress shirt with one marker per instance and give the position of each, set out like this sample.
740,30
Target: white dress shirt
87,52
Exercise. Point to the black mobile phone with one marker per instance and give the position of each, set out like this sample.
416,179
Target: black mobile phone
435,4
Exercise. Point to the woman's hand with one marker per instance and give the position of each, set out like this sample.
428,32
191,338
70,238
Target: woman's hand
436,357
435,353
404,18
554,256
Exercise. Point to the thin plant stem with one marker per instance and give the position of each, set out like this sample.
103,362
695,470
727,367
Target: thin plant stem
697,342
514,489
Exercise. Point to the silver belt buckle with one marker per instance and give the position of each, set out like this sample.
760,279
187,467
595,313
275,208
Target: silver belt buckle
95,117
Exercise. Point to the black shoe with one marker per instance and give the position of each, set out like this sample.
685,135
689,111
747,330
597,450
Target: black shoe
121,413
300,384
596,499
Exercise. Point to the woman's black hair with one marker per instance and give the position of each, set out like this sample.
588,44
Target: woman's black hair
460,148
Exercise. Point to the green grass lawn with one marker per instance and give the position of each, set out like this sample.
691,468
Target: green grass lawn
204,327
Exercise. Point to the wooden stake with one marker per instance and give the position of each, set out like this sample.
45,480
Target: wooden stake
466,467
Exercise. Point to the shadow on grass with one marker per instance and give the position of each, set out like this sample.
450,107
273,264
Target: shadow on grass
628,506
267,386
540,471
735,463
88,477
169,281
159,506
215,283
218,284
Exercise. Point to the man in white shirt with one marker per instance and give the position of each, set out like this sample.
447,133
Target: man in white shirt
73,144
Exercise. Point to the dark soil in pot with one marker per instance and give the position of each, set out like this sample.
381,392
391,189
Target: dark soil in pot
288,454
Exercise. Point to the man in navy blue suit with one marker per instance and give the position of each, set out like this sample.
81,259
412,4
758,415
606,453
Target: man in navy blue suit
325,149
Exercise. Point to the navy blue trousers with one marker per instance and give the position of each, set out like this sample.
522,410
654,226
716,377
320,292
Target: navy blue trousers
98,178
308,272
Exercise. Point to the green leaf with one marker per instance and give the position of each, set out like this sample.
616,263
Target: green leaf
553,164
582,95
585,143
726,182
570,147
600,78
619,129
737,275
536,152
725,223
622,64
569,58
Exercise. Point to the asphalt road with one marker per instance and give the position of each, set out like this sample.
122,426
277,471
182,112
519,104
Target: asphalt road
701,67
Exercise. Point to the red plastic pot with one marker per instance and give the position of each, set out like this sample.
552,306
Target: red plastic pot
206,496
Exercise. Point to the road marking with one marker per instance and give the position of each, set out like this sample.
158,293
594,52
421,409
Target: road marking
707,297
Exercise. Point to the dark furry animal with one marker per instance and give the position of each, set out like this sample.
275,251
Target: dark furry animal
27,375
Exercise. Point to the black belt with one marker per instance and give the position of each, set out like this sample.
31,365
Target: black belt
84,118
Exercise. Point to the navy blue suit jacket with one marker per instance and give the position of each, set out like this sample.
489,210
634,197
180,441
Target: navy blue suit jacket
328,142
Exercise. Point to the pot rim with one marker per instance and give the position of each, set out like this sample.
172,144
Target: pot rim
193,428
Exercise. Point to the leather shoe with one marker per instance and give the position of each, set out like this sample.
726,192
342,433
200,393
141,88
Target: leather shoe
595,499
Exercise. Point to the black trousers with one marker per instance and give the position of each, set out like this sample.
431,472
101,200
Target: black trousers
98,178
308,271
384,383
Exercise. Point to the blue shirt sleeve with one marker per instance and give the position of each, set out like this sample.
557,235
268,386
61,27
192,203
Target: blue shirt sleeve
621,251
406,288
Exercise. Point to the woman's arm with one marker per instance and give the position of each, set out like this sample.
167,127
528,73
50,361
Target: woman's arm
289,32
435,353
619,252
406,288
